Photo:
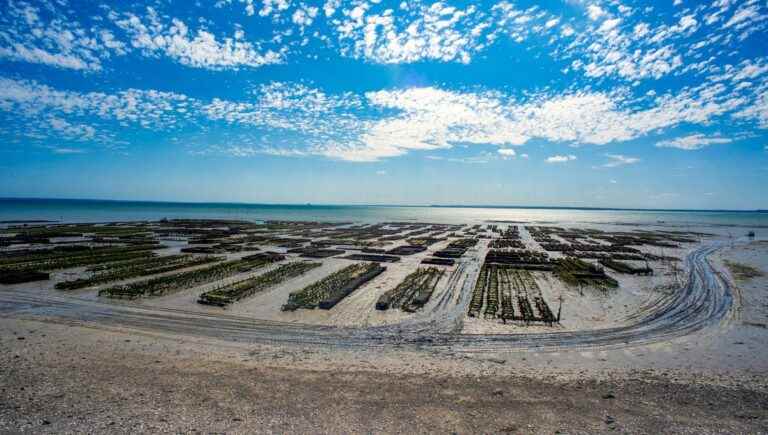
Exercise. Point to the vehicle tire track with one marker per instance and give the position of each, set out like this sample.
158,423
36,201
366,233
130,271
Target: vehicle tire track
704,301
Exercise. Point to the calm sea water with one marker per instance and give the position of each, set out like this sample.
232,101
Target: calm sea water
102,211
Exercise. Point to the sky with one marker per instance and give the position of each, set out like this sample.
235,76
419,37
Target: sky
657,104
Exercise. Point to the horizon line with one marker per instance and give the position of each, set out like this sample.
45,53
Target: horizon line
310,204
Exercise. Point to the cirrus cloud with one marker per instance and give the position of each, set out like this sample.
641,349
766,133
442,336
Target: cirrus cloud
693,142
560,158
619,160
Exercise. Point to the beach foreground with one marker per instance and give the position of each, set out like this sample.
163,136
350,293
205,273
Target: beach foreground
668,352
65,378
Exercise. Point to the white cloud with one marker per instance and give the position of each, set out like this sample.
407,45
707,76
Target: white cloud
693,142
551,23
743,16
246,150
620,160
330,6
609,25
595,12
713,75
70,131
358,153
381,172
608,60
270,7
73,115
433,118
391,123
295,107
200,49
757,110
481,158
388,123
437,32
304,16
641,29
687,22
249,8
434,31
611,43
47,37
429,119
506,152
634,50
37,55
560,158
61,150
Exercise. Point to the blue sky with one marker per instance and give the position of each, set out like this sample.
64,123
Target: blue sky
572,103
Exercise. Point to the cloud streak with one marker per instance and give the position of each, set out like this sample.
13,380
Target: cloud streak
693,142
387,123
560,158
616,160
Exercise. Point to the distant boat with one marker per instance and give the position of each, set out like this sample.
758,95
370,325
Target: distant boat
751,234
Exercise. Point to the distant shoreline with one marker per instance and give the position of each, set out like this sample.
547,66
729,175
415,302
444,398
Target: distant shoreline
331,205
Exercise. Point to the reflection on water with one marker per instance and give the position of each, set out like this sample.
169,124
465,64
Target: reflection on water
102,211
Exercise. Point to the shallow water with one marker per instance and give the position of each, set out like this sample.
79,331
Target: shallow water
102,211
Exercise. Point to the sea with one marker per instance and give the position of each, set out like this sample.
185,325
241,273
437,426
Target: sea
14,210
